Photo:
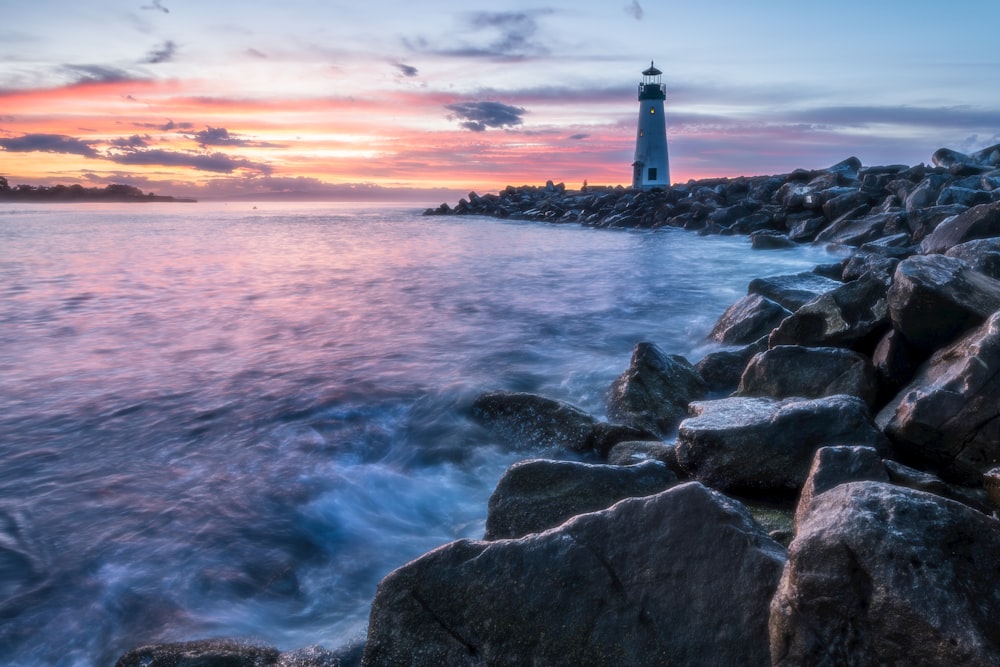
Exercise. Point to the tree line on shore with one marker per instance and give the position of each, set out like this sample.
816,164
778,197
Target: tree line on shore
115,192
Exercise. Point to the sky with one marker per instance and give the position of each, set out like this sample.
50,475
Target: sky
218,98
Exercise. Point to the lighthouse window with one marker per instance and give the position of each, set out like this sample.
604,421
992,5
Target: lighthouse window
642,133
652,174
652,110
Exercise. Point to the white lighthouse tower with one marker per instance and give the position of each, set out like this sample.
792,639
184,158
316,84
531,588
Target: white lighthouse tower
651,168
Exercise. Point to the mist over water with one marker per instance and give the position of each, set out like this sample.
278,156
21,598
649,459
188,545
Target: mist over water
220,421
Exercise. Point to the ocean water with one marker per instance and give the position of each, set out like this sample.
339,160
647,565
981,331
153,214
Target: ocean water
221,420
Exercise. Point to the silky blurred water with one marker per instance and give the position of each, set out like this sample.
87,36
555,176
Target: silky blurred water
217,420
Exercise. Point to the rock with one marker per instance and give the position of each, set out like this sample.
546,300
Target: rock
538,494
768,239
981,255
748,320
926,192
911,478
895,361
863,262
833,466
979,222
847,316
857,228
752,445
964,197
225,653
637,451
934,298
882,575
923,221
948,417
603,436
653,394
852,203
722,369
792,291
809,372
991,482
529,421
665,579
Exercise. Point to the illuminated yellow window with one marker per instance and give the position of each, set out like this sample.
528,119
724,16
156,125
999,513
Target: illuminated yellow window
652,110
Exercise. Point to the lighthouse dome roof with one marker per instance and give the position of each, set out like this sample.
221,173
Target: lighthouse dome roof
652,71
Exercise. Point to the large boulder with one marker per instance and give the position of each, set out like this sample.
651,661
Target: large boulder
882,575
752,445
934,298
792,291
979,222
748,320
982,255
810,372
654,392
833,466
847,316
683,577
538,494
948,417
225,653
528,421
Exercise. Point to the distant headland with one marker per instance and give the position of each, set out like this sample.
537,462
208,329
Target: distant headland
77,193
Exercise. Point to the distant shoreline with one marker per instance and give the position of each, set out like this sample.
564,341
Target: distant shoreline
115,193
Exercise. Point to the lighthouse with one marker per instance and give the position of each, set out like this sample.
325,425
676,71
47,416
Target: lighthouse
651,168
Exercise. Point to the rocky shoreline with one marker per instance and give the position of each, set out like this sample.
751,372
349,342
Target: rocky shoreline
823,488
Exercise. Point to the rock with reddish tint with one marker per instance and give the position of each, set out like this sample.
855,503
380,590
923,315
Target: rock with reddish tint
979,222
883,575
947,418
833,466
664,579
934,298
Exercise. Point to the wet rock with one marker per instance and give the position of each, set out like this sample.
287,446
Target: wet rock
895,362
225,653
981,255
919,480
538,494
934,298
923,221
654,392
723,369
748,320
964,197
833,466
991,482
794,290
882,575
863,262
669,578
531,421
948,418
851,201
769,239
751,445
604,436
979,222
926,192
856,230
637,451
847,316
809,372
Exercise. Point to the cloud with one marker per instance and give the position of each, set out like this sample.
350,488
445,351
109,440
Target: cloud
165,127
48,143
156,6
477,116
214,162
220,136
407,70
635,10
135,141
162,54
513,36
578,137
256,54
97,74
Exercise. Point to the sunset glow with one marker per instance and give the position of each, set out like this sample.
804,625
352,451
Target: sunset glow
318,98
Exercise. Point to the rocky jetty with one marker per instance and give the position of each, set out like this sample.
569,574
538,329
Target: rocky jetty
821,488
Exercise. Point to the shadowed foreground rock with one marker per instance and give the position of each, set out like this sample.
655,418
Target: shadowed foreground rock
683,577
882,575
538,494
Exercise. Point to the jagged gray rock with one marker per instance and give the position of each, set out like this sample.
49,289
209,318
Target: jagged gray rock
747,320
882,575
531,421
979,222
794,290
682,577
538,494
225,653
809,372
